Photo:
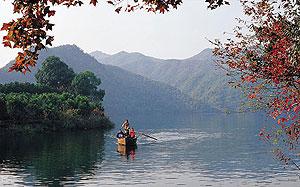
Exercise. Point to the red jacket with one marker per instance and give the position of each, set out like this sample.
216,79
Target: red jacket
132,134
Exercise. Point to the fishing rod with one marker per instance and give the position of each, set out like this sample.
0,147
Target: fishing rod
148,136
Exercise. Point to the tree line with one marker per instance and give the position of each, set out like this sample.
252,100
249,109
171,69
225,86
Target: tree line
59,99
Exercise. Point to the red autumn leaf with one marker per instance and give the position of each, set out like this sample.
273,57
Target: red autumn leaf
51,13
162,9
94,2
295,117
297,109
5,38
5,26
281,120
252,96
7,44
46,10
49,26
49,40
110,2
11,69
278,121
118,9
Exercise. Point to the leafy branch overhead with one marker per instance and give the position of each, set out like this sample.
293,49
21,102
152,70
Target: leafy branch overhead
264,56
30,31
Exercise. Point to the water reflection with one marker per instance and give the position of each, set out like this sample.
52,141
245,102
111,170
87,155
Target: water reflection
50,159
191,150
127,151
200,150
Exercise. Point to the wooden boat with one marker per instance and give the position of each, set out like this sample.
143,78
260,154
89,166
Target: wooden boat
126,150
128,142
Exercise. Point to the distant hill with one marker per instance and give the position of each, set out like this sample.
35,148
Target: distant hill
126,93
197,76
99,55
124,59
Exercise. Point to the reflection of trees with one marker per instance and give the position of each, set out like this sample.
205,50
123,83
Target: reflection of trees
53,158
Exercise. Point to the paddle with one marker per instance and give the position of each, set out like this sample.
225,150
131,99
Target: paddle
148,136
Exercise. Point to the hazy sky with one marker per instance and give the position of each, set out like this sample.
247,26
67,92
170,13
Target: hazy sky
179,33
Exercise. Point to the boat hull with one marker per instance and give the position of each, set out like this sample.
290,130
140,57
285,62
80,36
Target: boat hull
127,141
126,150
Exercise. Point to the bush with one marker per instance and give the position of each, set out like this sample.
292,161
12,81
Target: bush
3,110
18,87
54,103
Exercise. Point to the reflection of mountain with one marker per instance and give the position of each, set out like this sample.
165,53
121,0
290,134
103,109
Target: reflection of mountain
197,76
51,159
125,92
194,150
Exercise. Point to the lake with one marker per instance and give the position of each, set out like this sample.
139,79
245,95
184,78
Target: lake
192,150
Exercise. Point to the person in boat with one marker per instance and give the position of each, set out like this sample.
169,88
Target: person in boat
126,127
132,133
120,134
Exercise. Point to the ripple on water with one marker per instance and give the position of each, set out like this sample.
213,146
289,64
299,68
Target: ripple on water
184,134
191,157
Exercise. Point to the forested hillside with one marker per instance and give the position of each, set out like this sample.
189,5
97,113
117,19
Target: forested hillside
125,92
197,76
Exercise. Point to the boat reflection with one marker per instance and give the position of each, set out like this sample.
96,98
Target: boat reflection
127,151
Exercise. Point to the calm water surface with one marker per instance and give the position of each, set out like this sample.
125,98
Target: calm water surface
193,150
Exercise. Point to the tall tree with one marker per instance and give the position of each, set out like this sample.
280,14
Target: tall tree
86,83
56,74
29,32
264,57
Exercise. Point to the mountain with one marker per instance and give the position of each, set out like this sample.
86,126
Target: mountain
197,76
126,93
99,55
124,59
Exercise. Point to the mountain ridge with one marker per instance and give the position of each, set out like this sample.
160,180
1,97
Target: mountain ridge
197,76
126,92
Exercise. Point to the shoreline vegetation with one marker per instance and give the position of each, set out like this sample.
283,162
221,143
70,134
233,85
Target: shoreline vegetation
59,100
56,125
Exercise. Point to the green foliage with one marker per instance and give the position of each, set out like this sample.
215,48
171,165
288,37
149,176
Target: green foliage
18,87
3,109
17,106
55,74
49,106
86,83
54,102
